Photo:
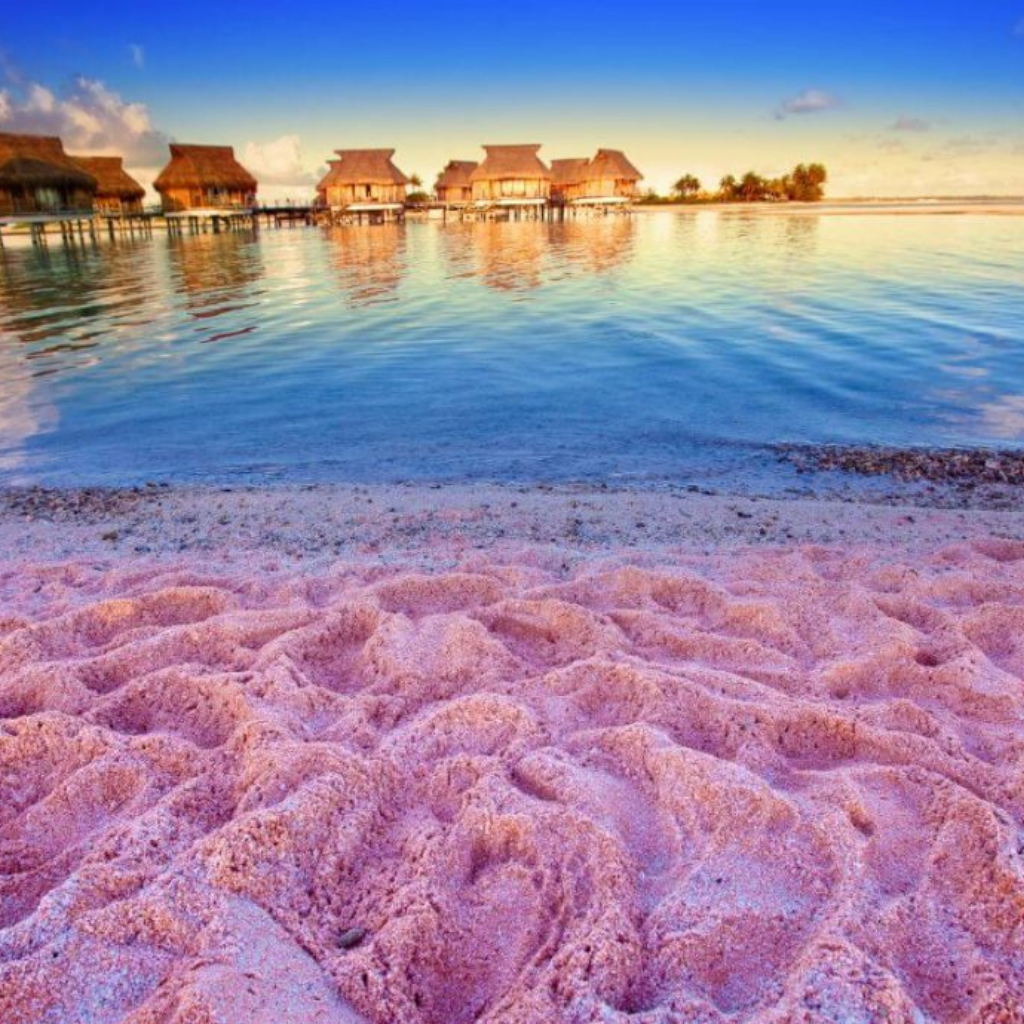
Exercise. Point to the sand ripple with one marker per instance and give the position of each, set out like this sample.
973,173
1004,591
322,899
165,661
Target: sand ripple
783,786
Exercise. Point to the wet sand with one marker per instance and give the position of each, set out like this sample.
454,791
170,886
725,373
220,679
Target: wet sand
509,755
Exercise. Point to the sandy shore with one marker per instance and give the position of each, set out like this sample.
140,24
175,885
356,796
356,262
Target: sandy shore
310,526
509,755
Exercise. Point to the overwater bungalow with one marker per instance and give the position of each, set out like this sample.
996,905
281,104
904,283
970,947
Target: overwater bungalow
511,176
204,178
454,187
567,178
363,181
117,192
38,177
607,179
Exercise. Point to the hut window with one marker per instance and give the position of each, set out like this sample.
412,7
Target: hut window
48,198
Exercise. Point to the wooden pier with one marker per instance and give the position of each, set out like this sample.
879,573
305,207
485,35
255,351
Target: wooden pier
202,220
285,215
78,227
73,226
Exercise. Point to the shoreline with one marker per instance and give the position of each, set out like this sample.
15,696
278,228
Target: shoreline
853,207
319,523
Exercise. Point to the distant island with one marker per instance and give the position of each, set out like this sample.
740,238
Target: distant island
804,184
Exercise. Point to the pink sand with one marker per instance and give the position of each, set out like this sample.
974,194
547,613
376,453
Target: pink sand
774,785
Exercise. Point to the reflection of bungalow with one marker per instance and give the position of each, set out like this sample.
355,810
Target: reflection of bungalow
37,176
607,178
205,178
369,265
363,179
453,184
505,257
593,245
116,191
217,276
511,176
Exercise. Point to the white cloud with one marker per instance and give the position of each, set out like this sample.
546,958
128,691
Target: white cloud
138,54
910,124
278,163
810,101
88,116
39,99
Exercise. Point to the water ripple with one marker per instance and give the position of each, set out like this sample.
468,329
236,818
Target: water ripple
654,345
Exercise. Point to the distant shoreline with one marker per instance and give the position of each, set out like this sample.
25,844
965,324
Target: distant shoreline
854,207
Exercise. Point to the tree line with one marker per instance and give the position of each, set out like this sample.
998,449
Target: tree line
804,184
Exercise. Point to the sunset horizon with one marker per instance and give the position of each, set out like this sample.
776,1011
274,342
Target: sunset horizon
894,103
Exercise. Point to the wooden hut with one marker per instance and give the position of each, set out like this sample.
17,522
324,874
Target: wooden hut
204,178
363,180
567,178
117,192
38,177
511,176
454,187
609,178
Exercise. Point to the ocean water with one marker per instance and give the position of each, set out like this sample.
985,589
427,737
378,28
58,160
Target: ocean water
662,346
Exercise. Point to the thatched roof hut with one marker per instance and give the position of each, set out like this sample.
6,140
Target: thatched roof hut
37,176
511,174
367,177
453,183
568,175
608,177
204,177
116,190
613,164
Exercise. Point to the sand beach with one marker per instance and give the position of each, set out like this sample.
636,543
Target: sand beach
510,754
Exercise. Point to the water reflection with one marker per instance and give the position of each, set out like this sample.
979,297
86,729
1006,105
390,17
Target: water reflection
592,246
62,302
24,408
210,270
519,257
651,344
367,262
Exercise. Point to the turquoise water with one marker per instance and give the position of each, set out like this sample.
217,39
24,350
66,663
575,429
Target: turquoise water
665,345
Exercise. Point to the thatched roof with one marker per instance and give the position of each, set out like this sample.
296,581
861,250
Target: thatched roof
570,171
504,162
111,177
363,167
39,161
456,174
612,163
204,167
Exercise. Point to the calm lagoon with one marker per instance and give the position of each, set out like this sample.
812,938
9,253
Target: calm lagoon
662,346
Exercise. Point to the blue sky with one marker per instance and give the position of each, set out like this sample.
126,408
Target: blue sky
895,98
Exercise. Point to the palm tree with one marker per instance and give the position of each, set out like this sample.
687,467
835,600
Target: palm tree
728,187
752,187
687,185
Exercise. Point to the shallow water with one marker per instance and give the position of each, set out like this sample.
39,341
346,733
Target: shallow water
667,346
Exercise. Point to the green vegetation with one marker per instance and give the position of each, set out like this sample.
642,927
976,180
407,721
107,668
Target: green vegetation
687,186
804,184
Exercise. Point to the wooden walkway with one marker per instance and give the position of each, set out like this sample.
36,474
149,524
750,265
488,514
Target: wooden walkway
78,227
